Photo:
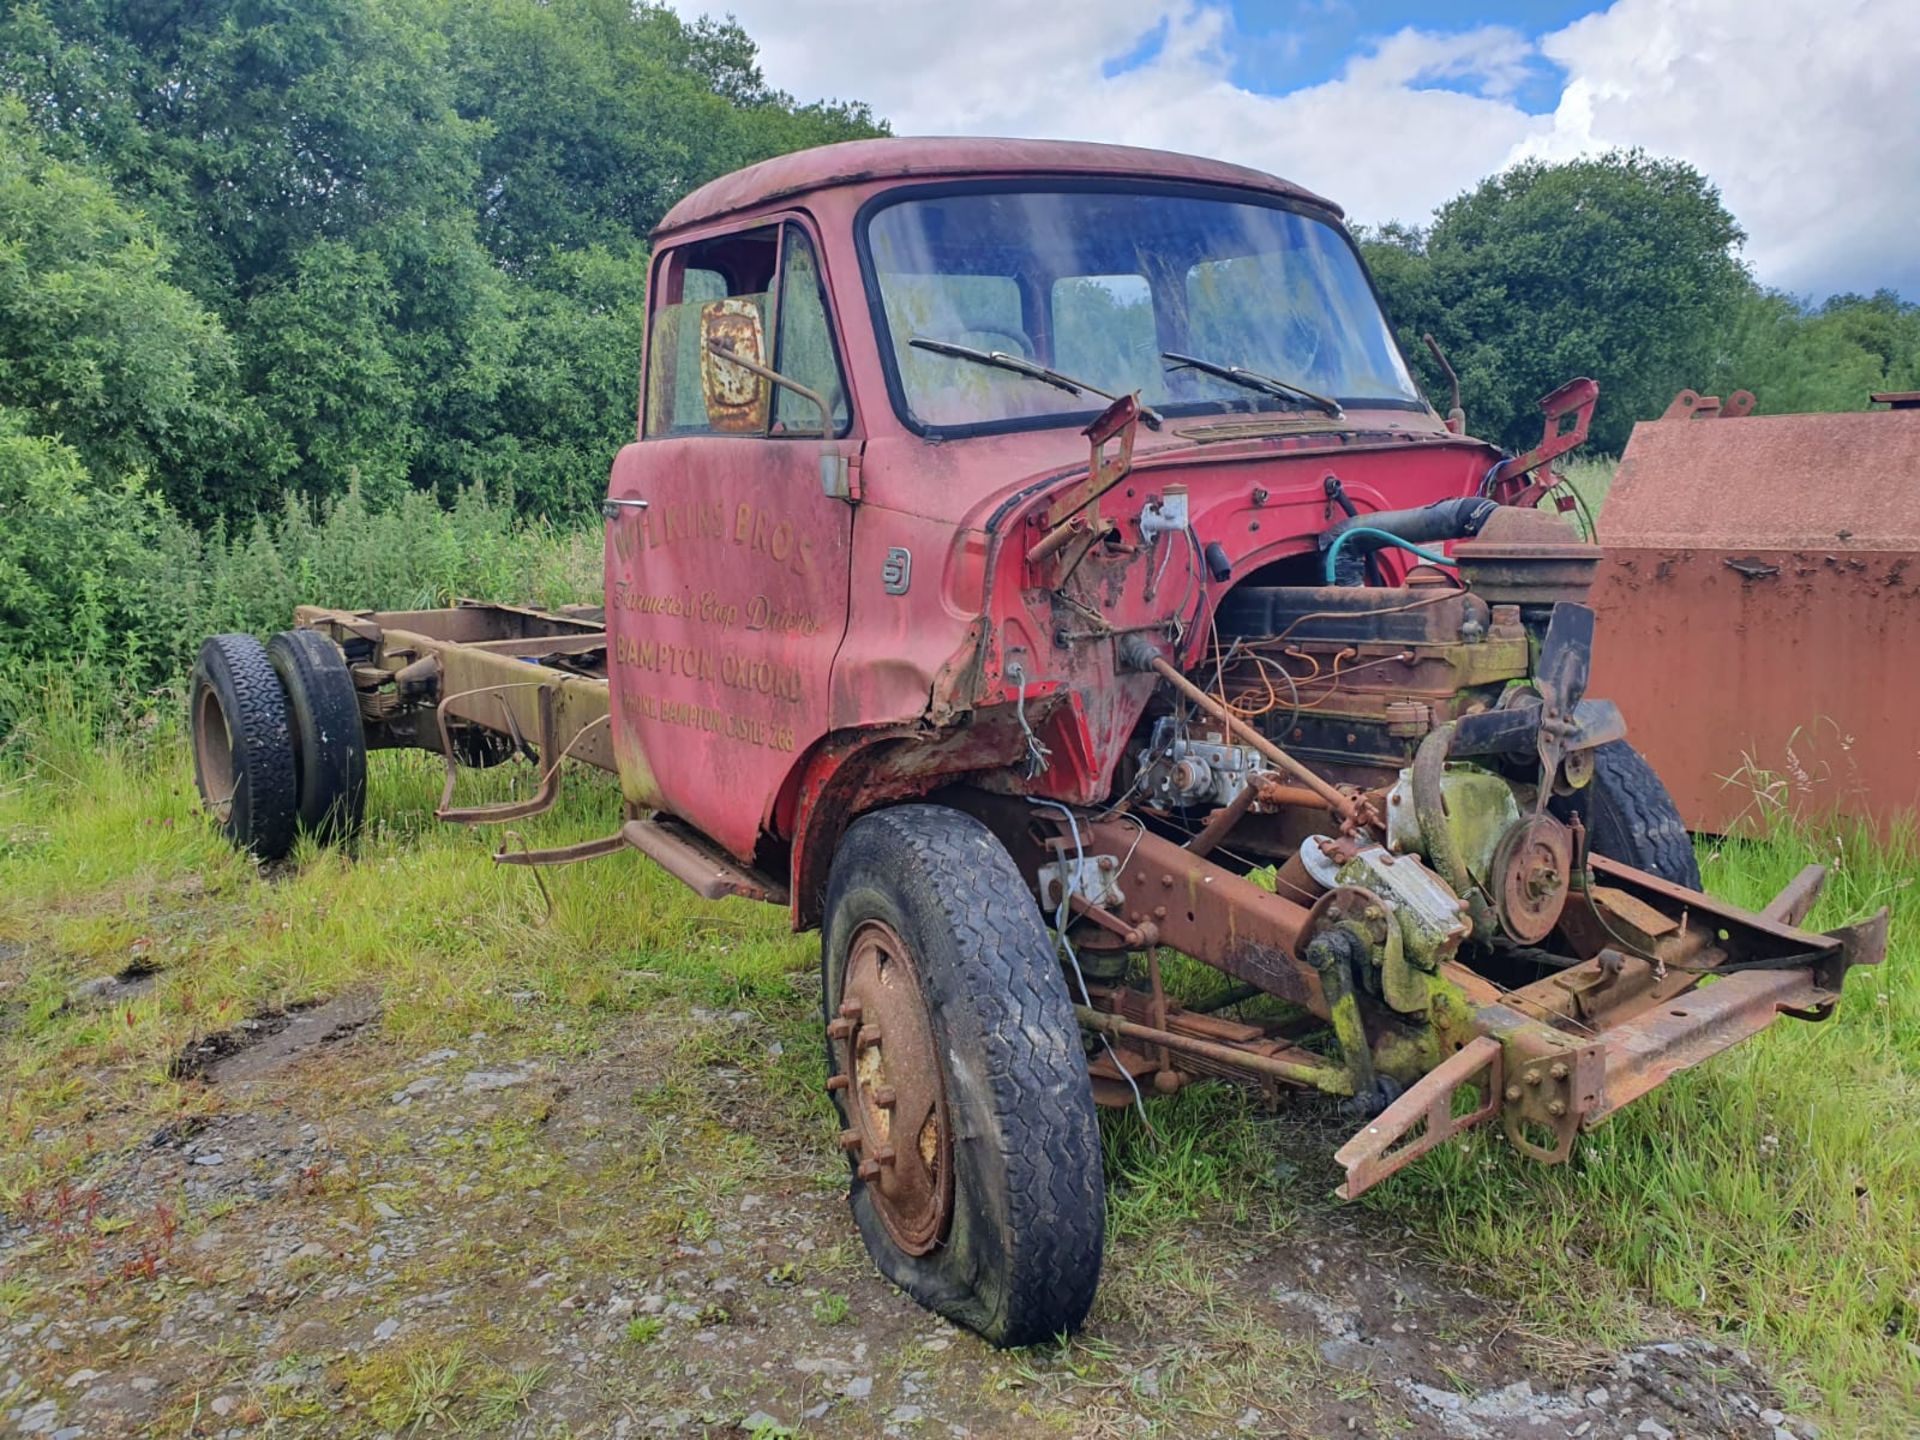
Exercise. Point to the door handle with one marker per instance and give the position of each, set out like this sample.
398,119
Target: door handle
610,508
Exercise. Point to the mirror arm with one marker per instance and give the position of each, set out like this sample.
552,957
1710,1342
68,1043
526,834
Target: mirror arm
774,377
836,478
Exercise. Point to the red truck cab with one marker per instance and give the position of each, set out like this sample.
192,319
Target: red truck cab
781,601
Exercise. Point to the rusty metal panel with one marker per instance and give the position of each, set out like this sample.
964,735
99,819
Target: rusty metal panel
1759,607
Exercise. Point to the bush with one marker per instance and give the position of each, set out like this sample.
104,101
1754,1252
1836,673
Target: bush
105,591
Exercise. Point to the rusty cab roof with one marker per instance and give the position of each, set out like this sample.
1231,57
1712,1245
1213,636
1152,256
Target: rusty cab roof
865,162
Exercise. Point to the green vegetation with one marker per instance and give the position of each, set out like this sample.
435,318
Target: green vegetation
340,301
108,594
251,252
1767,1196
261,261
1626,268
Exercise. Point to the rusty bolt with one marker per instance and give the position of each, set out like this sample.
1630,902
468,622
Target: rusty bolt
1166,882
849,1140
850,1009
839,1029
883,1153
1556,1108
1532,1077
883,1096
869,1171
1159,912
1513,1092
1558,1070
1374,913
836,1083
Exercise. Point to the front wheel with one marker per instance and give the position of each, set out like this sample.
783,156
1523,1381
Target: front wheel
956,1064
1631,818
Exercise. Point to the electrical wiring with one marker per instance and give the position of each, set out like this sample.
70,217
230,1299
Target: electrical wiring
1060,924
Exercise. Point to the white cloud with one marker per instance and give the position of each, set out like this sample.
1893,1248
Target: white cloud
1805,114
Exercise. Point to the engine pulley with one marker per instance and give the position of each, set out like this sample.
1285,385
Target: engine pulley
1531,873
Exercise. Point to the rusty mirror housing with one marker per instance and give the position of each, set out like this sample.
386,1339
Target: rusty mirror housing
836,479
732,334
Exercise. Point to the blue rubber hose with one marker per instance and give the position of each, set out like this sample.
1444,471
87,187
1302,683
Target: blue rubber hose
1433,557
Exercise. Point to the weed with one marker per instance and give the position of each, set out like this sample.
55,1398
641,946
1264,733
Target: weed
831,1308
644,1329
1768,1195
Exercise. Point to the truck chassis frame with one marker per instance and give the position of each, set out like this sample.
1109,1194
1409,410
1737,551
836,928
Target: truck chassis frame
481,682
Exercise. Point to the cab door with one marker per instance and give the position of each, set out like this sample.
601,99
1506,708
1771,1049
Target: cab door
726,563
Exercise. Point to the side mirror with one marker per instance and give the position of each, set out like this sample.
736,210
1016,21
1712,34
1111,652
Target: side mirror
836,478
732,334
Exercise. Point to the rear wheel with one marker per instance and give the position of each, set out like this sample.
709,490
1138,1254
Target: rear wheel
956,1064
329,748
1631,818
243,745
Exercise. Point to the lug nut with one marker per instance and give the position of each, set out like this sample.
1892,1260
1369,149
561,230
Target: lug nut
869,1035
1532,1077
883,1096
1556,1108
1513,1092
849,1140
839,1029
836,1083
1559,1070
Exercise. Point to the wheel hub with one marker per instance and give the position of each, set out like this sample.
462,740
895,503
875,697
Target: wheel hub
895,1100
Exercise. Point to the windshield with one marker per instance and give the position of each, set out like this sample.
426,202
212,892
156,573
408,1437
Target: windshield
1098,286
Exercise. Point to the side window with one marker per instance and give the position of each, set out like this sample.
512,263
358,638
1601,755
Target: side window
736,268
727,288
805,352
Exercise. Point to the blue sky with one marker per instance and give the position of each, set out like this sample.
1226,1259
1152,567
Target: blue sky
1806,113
1288,45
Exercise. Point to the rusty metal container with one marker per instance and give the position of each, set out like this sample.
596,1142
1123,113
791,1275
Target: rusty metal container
1759,611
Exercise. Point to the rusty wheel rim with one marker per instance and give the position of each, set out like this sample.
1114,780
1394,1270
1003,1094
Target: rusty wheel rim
896,1100
213,748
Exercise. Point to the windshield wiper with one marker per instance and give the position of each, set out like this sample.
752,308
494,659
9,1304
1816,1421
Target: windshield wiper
1018,365
1254,380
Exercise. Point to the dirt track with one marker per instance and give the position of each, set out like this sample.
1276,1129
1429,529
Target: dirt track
634,1238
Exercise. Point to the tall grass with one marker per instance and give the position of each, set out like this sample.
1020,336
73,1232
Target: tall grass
178,585
1773,1194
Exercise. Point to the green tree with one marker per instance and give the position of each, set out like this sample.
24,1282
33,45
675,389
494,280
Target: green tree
1623,267
1828,358
393,205
98,345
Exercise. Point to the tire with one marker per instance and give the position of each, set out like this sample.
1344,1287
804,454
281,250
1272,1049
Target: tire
243,745
1017,1256
1631,818
329,747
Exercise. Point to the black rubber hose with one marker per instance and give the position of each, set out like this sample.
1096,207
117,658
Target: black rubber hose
1453,519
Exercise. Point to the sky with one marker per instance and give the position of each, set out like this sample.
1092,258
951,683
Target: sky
1806,115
